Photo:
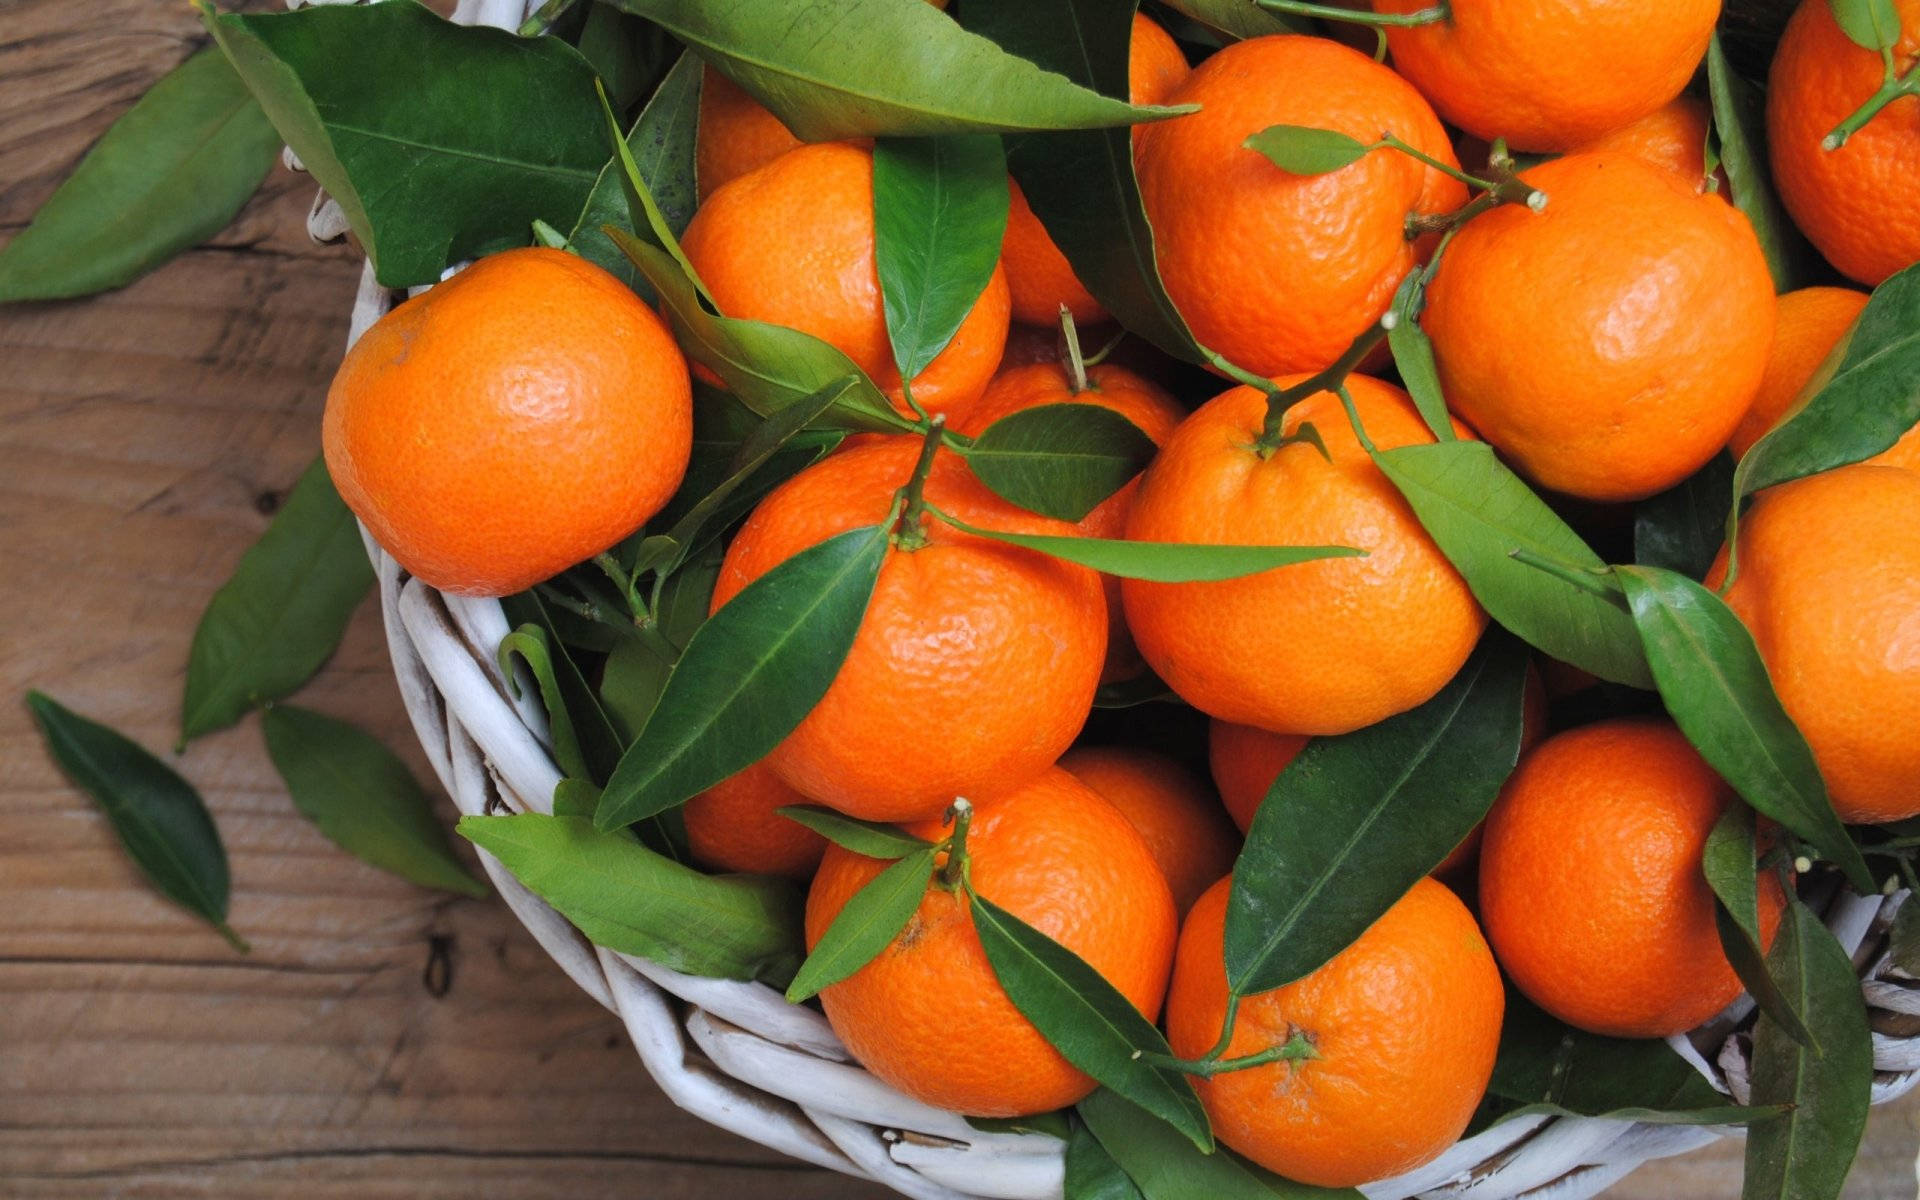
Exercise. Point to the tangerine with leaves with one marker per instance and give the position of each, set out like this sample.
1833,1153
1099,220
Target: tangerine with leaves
1280,272
1590,883
1321,647
735,826
485,460
927,1014
1396,1038
975,663
1189,834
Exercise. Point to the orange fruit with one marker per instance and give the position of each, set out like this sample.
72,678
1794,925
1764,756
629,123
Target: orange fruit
1857,204
1829,585
1608,344
928,1016
737,134
975,664
1551,76
1404,1024
1039,278
1809,326
1276,271
1590,883
792,244
1183,824
1146,404
1673,136
1319,647
486,460
1245,761
732,826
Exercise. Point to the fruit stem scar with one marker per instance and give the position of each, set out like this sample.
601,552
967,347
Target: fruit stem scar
1333,12
954,872
909,533
1070,347
1891,88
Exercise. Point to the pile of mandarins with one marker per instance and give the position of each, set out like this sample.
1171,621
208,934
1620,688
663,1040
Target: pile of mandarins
1607,342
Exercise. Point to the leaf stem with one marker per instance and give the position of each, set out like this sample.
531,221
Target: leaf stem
1333,12
1891,89
1113,343
1327,379
953,872
233,939
1070,344
1296,1048
909,533
1591,579
611,568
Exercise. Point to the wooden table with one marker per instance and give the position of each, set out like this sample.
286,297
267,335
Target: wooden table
145,437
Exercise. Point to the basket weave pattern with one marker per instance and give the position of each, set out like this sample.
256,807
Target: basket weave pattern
739,1056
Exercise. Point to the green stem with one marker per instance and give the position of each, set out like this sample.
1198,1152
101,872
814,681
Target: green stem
1327,379
1505,188
1591,579
1891,89
1070,343
1113,343
1297,1047
909,534
1333,12
1227,1022
611,568
954,872
544,19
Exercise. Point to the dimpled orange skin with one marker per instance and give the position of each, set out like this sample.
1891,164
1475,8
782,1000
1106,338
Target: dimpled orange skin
732,826
1153,411
1325,646
927,1014
486,461
975,664
1590,883
737,134
1405,1022
1039,278
1607,345
1857,204
1673,137
1810,324
1829,585
1280,272
1549,75
792,244
1182,822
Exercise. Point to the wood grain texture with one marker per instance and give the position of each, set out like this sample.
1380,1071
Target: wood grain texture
145,437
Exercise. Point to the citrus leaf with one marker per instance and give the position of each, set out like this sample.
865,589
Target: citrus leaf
661,145
282,612
631,682
1091,1172
1480,513
379,100
1086,1019
1354,821
1081,184
1729,862
161,820
529,644
1413,356
1166,1166
1160,562
1739,126
833,69
872,918
1060,460
363,798
1904,942
1806,1152
752,672
1681,528
870,838
1239,18
1871,24
1302,150
1716,687
939,213
625,897
575,798
1860,403
169,174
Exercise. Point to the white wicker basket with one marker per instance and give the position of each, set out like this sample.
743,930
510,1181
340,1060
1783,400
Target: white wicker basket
738,1055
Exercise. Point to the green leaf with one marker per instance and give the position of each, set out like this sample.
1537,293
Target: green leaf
1303,150
1681,528
1480,513
1086,1019
615,44
1413,356
1166,1166
1739,124
169,174
625,897
1160,562
529,644
1091,1172
441,142
870,838
575,798
1729,863
1081,184
1060,460
939,213
1354,821
836,69
631,682
661,143
873,917
282,612
161,820
752,672
1871,24
1239,18
363,798
1805,1153
1859,407
1716,687
1904,942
